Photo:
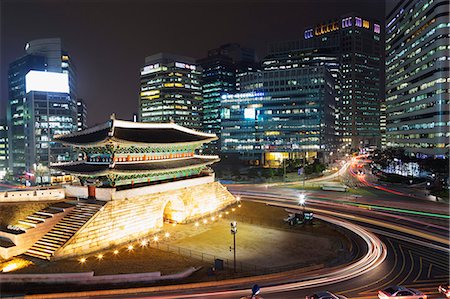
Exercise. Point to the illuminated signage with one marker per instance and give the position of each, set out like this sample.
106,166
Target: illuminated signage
347,22
333,26
46,81
376,28
322,29
243,95
150,69
358,22
309,33
249,113
185,65
366,24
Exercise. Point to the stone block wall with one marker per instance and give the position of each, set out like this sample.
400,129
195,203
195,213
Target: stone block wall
126,219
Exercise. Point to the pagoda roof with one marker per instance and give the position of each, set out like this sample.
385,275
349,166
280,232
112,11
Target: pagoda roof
134,133
155,166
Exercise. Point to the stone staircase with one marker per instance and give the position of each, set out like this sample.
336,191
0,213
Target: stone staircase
41,216
63,230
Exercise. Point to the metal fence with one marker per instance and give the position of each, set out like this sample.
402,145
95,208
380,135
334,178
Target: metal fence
210,258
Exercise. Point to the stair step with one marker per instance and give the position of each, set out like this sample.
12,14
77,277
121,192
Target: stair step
39,253
65,226
44,249
43,213
36,218
56,235
54,243
36,255
75,219
55,238
30,223
70,223
45,243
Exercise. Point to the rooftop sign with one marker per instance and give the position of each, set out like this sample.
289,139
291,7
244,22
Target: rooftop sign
47,82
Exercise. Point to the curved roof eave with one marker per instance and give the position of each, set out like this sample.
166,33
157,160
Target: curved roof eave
116,141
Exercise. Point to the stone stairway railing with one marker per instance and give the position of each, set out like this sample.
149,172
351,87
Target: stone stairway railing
46,247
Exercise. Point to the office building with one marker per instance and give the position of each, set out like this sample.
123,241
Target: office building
4,167
170,90
418,78
350,46
81,115
41,103
280,114
221,68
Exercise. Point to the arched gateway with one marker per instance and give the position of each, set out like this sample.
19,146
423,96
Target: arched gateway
146,172
174,210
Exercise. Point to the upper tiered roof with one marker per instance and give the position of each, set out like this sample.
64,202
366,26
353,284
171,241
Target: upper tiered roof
127,132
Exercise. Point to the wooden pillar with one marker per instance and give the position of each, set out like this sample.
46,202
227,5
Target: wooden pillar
91,191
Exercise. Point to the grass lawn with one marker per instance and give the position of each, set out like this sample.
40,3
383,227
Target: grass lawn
11,213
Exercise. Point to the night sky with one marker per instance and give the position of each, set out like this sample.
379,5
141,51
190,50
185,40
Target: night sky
108,40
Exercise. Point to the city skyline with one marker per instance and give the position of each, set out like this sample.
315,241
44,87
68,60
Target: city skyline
114,51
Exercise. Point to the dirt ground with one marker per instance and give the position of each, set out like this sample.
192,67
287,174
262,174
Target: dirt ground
263,238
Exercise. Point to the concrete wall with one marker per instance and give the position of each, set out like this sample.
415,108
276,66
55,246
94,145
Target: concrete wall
131,218
89,278
25,240
32,195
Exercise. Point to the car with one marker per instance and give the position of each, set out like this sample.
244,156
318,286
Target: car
325,295
444,289
401,292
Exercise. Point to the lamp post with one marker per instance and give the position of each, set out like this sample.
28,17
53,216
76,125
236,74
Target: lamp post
233,232
302,201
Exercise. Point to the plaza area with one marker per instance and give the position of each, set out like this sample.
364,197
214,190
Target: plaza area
263,241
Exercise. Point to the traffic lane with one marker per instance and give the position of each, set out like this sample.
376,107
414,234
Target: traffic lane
383,219
436,220
383,199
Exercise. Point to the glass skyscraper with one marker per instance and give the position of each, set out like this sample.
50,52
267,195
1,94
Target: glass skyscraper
81,115
279,114
170,90
4,156
221,68
350,46
418,78
41,103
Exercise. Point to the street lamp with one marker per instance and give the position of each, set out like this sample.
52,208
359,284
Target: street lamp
233,232
302,200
